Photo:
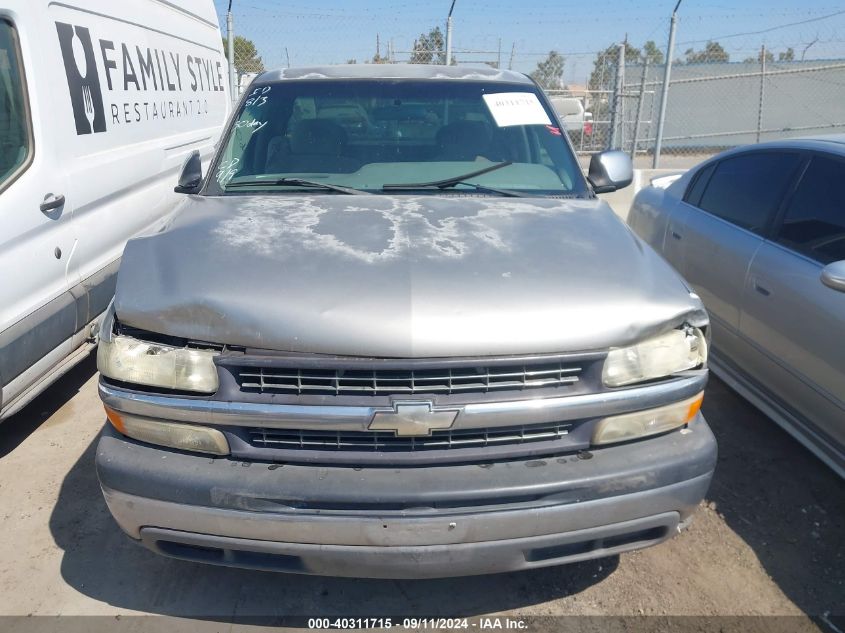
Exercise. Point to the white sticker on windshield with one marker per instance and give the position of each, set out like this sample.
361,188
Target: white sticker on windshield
516,108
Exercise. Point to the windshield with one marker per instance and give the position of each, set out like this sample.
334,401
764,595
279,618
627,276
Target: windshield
408,135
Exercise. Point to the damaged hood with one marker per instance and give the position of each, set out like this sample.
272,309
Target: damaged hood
400,276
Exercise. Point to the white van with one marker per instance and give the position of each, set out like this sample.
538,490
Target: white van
100,103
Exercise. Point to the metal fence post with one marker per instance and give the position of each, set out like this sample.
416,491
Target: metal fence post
230,35
620,91
762,91
639,110
448,61
664,96
617,96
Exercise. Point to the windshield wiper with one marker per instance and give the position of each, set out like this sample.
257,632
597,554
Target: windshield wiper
297,182
485,189
447,183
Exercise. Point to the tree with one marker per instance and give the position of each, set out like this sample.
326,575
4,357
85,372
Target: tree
352,61
784,56
604,66
770,57
653,54
246,55
429,48
712,52
549,72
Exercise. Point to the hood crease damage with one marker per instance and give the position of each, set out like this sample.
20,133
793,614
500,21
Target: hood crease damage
400,276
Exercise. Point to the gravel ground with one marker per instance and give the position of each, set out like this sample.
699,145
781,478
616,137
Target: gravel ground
769,540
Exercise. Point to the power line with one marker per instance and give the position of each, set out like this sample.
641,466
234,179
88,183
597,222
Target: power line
768,30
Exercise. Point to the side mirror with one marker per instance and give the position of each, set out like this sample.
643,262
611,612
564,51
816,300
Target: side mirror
833,276
610,170
190,178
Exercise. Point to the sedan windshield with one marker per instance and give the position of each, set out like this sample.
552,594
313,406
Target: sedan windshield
393,135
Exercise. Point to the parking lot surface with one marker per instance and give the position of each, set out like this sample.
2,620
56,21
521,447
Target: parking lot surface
768,540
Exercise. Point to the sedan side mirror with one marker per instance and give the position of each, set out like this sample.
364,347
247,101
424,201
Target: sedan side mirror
191,177
610,170
833,276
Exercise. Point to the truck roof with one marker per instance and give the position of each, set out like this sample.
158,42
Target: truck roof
395,71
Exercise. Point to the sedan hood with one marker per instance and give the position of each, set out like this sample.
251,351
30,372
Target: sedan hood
400,276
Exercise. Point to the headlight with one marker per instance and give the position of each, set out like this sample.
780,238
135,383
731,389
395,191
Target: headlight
657,357
186,437
629,426
129,360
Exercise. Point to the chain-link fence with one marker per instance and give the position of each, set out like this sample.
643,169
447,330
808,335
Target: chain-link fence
724,92
586,115
712,106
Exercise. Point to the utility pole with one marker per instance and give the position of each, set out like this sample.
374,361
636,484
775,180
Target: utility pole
449,35
664,95
510,61
230,36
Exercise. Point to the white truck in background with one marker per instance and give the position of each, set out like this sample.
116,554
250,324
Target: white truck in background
577,121
100,103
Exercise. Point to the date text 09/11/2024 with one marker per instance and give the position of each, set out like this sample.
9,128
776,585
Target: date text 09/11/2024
484,623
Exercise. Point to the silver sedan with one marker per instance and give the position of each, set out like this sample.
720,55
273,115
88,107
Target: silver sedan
759,232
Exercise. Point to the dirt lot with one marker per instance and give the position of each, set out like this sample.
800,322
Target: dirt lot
769,540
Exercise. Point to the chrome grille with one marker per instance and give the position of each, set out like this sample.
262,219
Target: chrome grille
377,382
383,441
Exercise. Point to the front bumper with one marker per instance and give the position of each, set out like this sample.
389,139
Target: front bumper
407,522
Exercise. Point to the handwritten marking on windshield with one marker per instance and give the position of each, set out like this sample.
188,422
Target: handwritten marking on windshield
226,170
258,97
250,124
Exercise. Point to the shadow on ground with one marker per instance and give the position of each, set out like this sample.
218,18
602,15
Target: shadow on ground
103,563
21,425
781,500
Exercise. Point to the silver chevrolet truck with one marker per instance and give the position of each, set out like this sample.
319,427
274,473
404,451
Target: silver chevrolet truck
392,332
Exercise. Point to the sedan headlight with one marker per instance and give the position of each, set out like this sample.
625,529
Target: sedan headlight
656,357
156,365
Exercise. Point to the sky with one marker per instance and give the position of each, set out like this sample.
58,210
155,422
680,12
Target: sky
521,33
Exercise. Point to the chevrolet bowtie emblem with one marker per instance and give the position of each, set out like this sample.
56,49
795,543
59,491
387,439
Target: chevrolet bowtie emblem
410,419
